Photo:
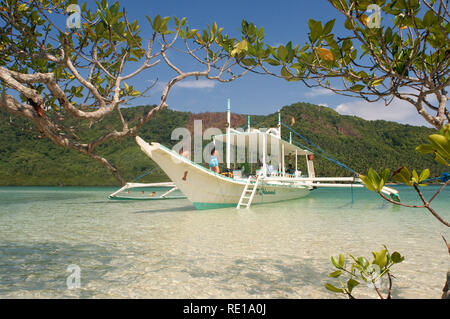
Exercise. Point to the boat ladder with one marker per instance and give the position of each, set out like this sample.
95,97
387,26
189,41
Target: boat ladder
248,193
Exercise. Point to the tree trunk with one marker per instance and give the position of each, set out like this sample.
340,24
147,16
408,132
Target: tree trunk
446,293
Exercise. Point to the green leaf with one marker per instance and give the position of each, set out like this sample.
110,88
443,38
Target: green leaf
282,53
335,274
157,23
205,36
425,149
22,7
380,258
402,175
332,288
248,62
272,62
368,182
352,283
333,261
242,46
415,176
377,82
285,72
328,26
438,158
374,178
357,87
424,175
341,261
429,18
315,28
441,144
348,24
397,258
385,174
363,262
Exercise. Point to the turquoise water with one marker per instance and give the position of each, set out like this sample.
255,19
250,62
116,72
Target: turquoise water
166,249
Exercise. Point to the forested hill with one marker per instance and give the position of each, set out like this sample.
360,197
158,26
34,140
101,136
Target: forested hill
28,159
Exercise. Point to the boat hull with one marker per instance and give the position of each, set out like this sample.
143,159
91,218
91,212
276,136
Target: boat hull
208,190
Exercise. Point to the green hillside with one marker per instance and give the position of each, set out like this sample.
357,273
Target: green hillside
27,159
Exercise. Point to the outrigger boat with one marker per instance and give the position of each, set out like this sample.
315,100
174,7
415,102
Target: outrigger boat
147,191
207,189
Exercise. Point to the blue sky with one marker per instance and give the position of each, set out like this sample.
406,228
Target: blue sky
283,21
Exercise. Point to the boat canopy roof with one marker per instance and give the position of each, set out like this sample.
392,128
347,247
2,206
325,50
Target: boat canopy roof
255,137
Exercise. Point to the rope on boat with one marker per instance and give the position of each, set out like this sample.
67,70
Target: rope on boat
319,150
144,174
353,200
443,178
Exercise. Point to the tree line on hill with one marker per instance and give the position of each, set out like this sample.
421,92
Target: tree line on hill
28,159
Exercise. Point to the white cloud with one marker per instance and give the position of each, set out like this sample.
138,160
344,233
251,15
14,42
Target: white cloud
318,92
397,111
191,84
197,84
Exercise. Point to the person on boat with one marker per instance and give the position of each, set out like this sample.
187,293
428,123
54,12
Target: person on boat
290,159
152,194
269,168
213,162
290,170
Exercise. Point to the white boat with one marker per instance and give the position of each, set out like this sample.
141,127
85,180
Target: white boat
207,189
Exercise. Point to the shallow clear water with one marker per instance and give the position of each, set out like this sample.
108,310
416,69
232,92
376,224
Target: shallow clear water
166,249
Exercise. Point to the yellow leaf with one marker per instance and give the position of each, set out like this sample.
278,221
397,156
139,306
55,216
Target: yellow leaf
87,27
325,54
240,47
377,82
364,19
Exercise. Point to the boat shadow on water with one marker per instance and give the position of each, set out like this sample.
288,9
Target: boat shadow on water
187,208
